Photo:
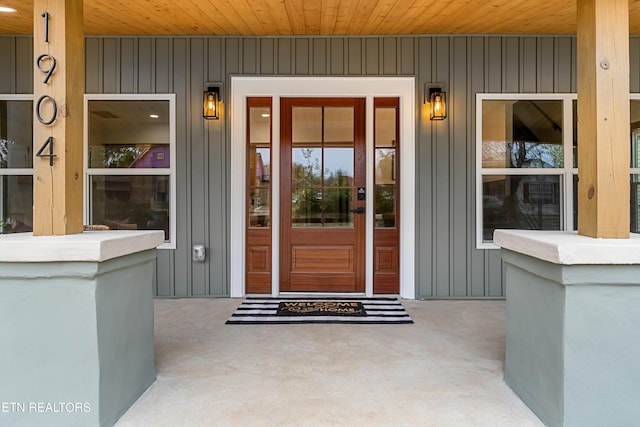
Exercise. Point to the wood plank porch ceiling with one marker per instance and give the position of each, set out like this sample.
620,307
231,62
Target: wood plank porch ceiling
316,17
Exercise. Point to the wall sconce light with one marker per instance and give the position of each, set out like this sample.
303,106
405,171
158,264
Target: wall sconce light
437,98
210,103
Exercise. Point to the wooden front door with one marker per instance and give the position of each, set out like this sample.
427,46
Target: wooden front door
322,195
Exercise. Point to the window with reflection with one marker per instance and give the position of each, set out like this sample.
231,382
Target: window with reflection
527,202
386,164
16,163
129,134
322,166
131,202
518,133
521,162
131,170
635,203
574,108
522,134
635,165
259,170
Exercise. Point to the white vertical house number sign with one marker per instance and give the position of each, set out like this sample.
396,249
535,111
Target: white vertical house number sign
48,121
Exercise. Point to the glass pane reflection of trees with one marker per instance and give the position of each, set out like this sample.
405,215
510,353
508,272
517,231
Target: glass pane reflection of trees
322,167
314,204
126,202
522,134
528,202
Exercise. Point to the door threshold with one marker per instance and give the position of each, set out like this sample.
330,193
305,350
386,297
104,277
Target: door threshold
322,294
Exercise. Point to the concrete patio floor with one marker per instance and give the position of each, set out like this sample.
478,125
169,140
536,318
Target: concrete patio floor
444,370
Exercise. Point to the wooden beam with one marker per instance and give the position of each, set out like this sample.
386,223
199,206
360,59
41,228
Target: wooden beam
603,118
58,110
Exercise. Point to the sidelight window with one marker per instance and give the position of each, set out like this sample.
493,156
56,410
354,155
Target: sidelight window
259,162
386,162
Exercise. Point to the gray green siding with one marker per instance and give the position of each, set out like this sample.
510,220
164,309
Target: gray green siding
448,265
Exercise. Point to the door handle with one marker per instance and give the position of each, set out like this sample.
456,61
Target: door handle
359,210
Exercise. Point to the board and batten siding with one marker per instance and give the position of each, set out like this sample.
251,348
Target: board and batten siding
448,265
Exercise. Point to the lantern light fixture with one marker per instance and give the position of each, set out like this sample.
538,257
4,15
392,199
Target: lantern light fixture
211,99
437,99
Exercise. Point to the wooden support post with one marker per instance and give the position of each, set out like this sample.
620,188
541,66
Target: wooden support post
603,118
58,117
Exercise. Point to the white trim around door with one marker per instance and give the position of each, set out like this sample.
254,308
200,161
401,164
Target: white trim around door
366,87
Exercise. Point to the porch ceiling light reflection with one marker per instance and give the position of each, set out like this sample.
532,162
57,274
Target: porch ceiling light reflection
7,9
210,103
436,97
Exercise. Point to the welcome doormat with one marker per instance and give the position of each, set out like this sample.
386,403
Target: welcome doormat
255,310
321,308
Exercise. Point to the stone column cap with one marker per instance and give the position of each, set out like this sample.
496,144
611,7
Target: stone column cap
569,248
90,246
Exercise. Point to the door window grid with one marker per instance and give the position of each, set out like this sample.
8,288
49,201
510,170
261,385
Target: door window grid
322,167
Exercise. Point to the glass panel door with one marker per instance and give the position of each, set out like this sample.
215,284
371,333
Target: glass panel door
322,169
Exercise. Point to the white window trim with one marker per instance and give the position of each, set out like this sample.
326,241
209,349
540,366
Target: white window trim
171,171
566,173
276,87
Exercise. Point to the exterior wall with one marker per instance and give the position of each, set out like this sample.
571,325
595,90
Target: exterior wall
448,265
